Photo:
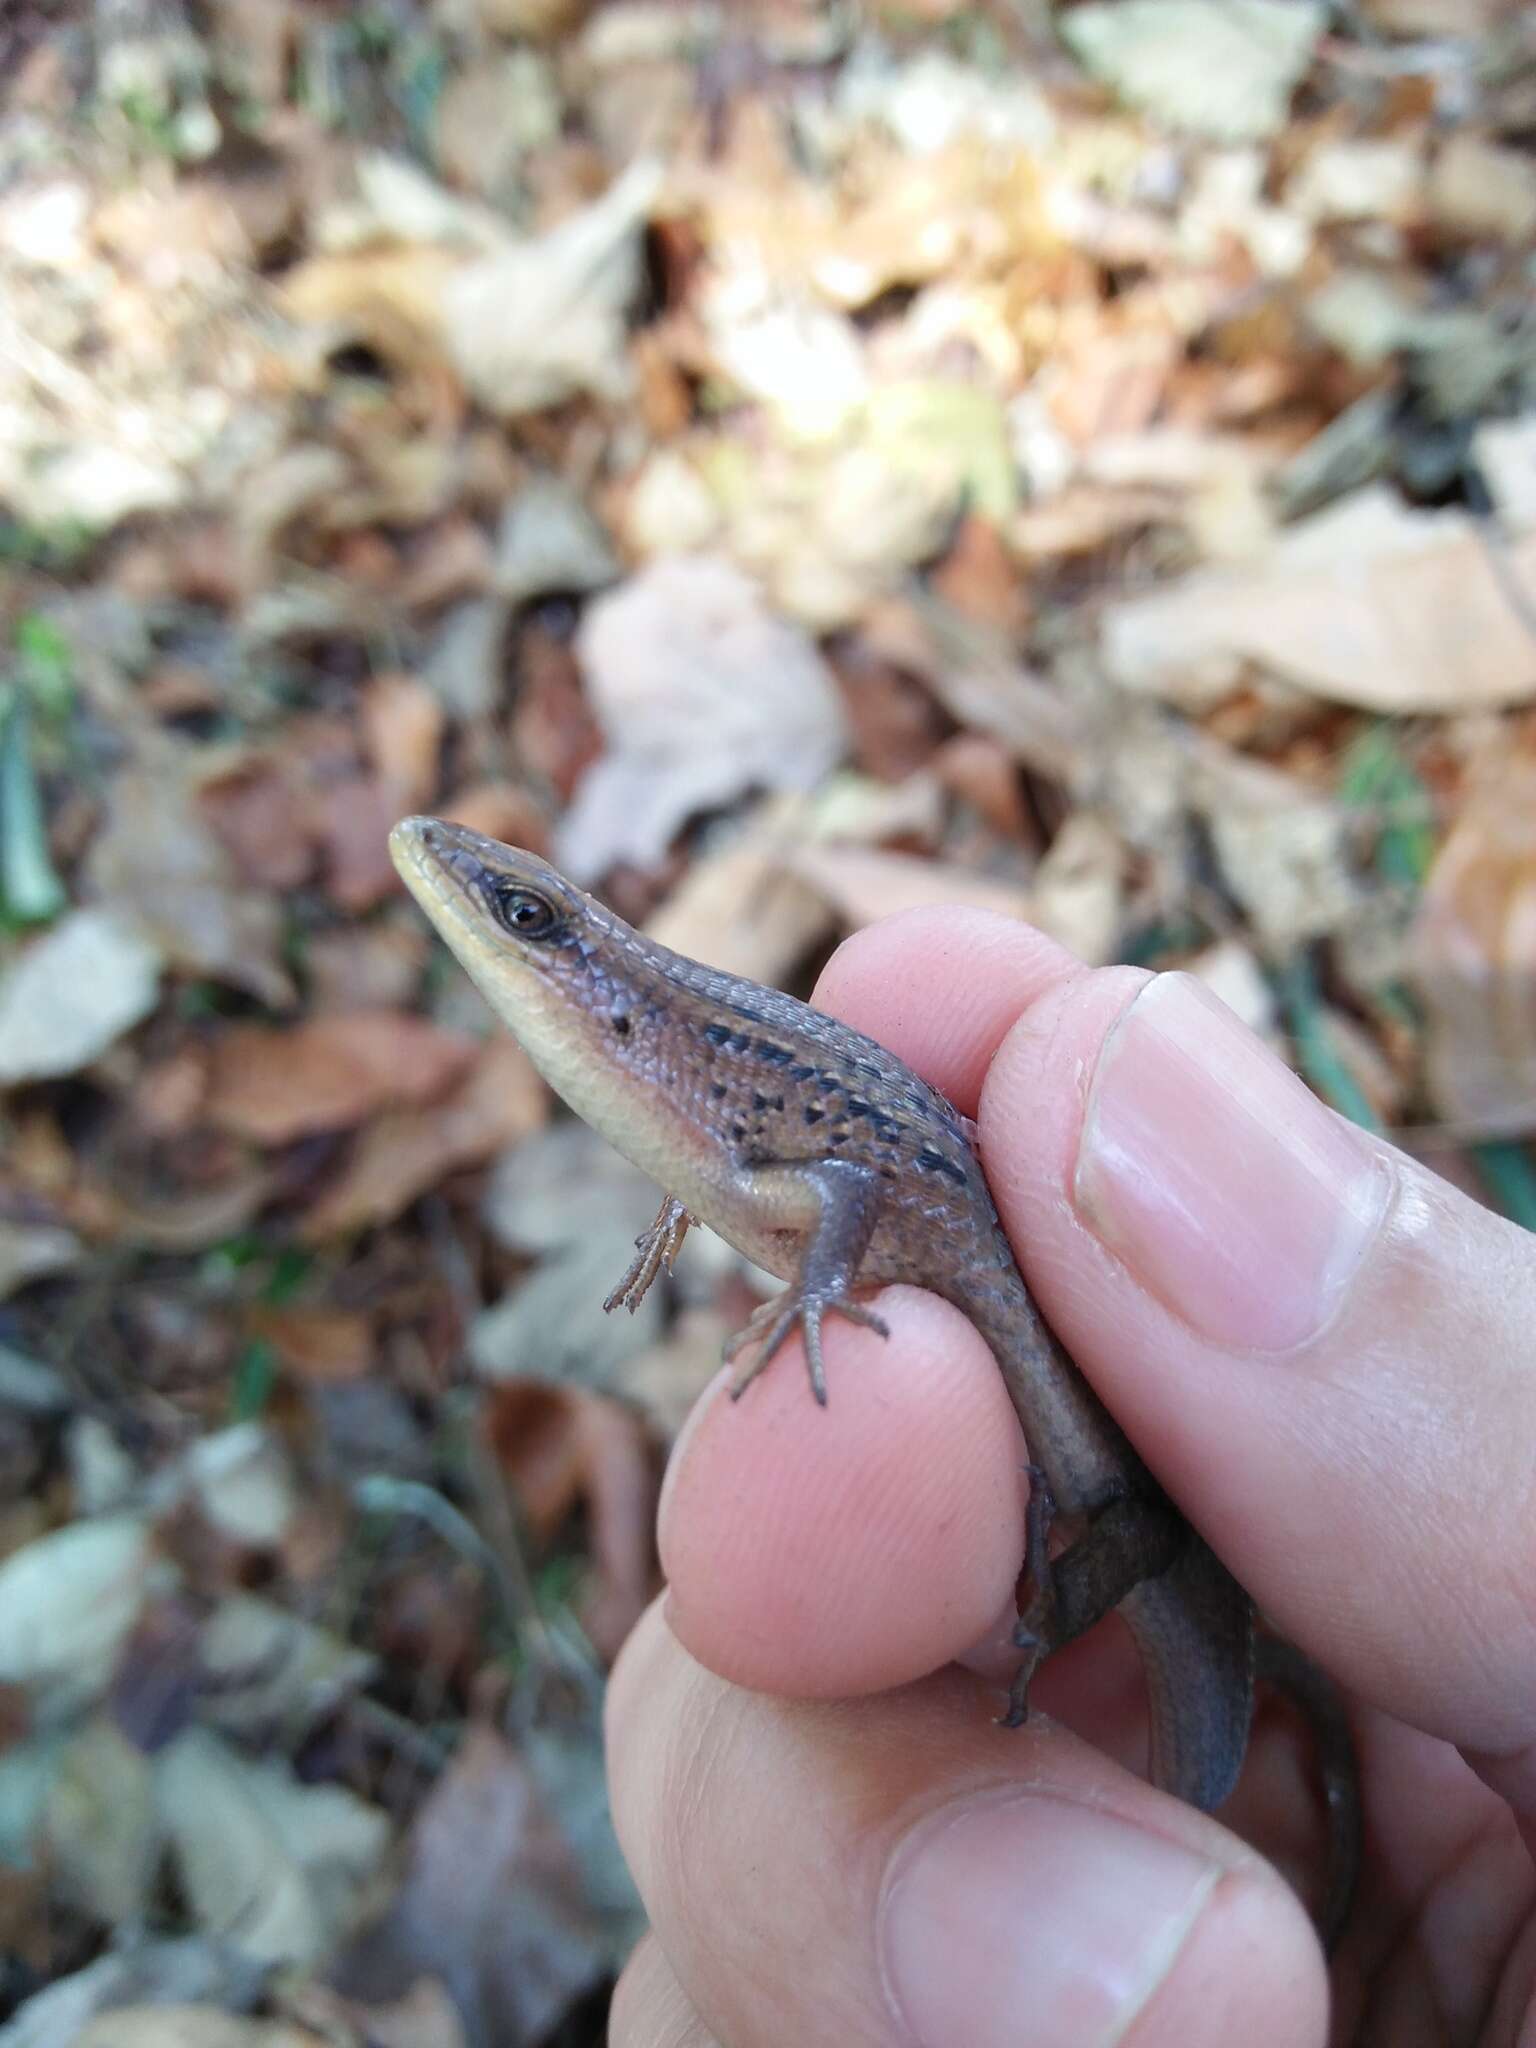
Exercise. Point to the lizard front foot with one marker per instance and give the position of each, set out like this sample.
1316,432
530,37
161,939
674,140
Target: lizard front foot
774,1321
655,1250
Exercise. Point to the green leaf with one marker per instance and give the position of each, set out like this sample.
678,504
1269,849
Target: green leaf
30,889
1316,1054
1376,778
1509,1174
255,1377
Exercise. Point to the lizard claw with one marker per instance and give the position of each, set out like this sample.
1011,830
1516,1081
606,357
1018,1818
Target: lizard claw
775,1320
655,1251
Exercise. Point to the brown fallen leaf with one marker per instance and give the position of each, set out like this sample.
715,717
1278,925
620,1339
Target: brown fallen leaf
355,822
894,725
492,1905
737,910
562,1447
402,1153
324,1345
503,811
981,579
865,884
1368,604
1474,956
702,691
554,731
402,725
981,772
373,966
272,1086
160,859
263,817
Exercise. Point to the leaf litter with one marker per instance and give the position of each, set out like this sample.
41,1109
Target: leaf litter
793,467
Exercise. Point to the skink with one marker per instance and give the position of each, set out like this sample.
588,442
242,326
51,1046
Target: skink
827,1161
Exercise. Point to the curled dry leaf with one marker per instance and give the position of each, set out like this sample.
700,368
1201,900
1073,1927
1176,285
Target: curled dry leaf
190,2026
73,992
403,732
67,1604
492,1905
325,1345
737,909
1077,892
702,692
158,860
563,1448
543,319
1368,604
404,1152
1474,956
274,1085
1219,68
274,1866
31,1251
865,884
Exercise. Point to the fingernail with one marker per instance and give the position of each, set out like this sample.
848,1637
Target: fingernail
1218,1178
1026,1917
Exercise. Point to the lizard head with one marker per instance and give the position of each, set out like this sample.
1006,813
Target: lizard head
524,933
486,898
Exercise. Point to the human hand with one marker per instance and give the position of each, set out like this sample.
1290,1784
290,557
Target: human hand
1326,1356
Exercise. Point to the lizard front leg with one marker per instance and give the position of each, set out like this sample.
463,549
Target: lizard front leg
655,1251
835,1204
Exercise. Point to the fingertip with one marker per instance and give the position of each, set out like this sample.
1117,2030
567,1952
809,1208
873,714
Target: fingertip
941,988
826,1552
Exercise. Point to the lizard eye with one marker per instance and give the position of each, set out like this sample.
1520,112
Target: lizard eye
525,914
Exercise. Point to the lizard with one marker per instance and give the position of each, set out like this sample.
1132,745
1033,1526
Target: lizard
826,1160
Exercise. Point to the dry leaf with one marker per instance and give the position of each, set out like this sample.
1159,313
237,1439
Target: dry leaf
31,1251
272,1085
404,1152
372,966
270,1670
1219,68
1368,605
552,1326
1285,855
190,2026
354,825
1077,891
402,724
67,1604
263,818
274,1866
158,861
1474,955
561,1448
1477,188
492,1905
737,910
543,320
321,1344
865,885
73,992
702,693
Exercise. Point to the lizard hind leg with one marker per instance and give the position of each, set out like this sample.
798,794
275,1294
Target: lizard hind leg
775,1320
839,1202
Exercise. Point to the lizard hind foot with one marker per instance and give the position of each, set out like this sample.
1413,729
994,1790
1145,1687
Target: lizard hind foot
776,1320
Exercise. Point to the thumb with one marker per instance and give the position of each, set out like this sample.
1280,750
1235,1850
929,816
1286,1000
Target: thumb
1321,1349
